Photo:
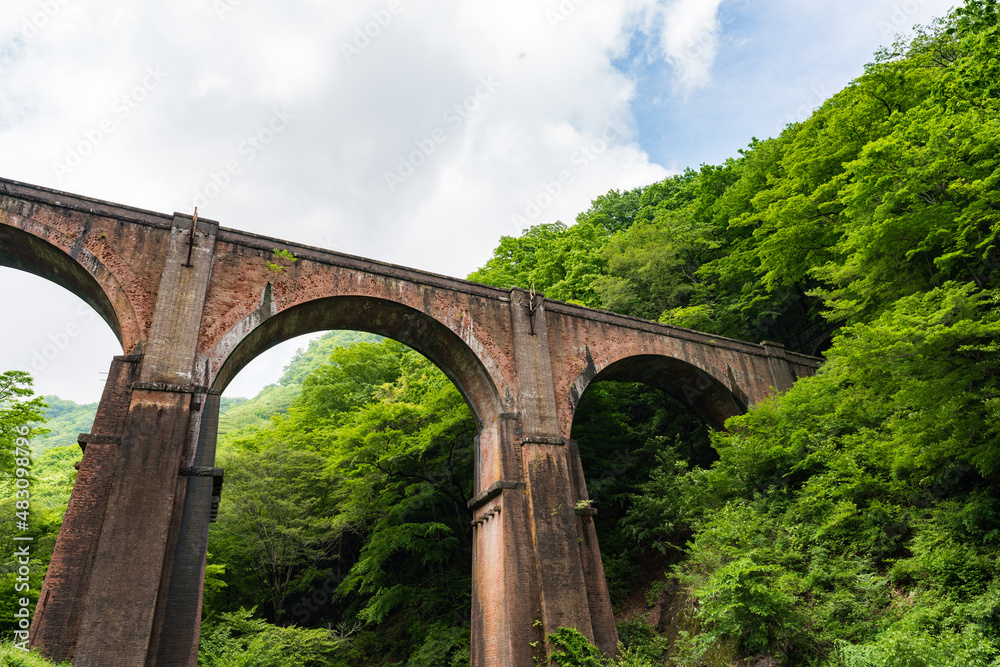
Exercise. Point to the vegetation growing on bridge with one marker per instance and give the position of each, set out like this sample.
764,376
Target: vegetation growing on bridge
851,522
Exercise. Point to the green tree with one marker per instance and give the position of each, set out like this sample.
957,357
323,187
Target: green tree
20,501
365,481
871,480
275,522
237,639
19,413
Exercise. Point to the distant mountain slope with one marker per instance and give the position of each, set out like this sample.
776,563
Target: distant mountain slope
66,420
240,416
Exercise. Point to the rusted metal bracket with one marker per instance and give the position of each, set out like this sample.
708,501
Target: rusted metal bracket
194,226
532,307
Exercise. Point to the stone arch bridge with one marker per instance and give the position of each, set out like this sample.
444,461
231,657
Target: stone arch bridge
192,303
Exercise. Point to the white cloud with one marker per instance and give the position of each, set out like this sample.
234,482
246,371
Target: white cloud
690,40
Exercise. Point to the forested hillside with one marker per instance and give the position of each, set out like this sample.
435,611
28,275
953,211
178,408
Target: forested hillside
64,421
853,521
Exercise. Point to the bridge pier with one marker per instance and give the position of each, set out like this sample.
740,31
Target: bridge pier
129,607
536,562
103,600
56,623
134,551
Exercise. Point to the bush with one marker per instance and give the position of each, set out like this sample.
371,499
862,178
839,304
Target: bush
640,647
906,647
13,657
749,603
240,640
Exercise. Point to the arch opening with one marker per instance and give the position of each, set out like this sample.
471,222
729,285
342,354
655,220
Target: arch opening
412,531
706,396
26,252
643,428
56,337
432,511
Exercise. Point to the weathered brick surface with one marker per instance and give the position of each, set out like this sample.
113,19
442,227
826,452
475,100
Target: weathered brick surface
119,249
601,616
490,637
452,322
554,536
522,587
124,586
58,613
60,606
704,371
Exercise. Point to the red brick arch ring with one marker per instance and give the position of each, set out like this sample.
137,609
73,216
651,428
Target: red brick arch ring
707,396
90,271
475,375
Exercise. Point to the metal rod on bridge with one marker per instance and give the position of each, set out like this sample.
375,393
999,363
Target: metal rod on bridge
532,307
194,225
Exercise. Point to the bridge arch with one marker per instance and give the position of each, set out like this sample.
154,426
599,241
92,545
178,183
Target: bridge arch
439,343
711,400
45,252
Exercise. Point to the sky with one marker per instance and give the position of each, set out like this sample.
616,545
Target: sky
416,133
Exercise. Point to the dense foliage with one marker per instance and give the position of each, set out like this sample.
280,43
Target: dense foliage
32,508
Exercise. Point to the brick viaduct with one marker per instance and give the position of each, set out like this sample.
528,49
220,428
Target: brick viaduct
192,304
